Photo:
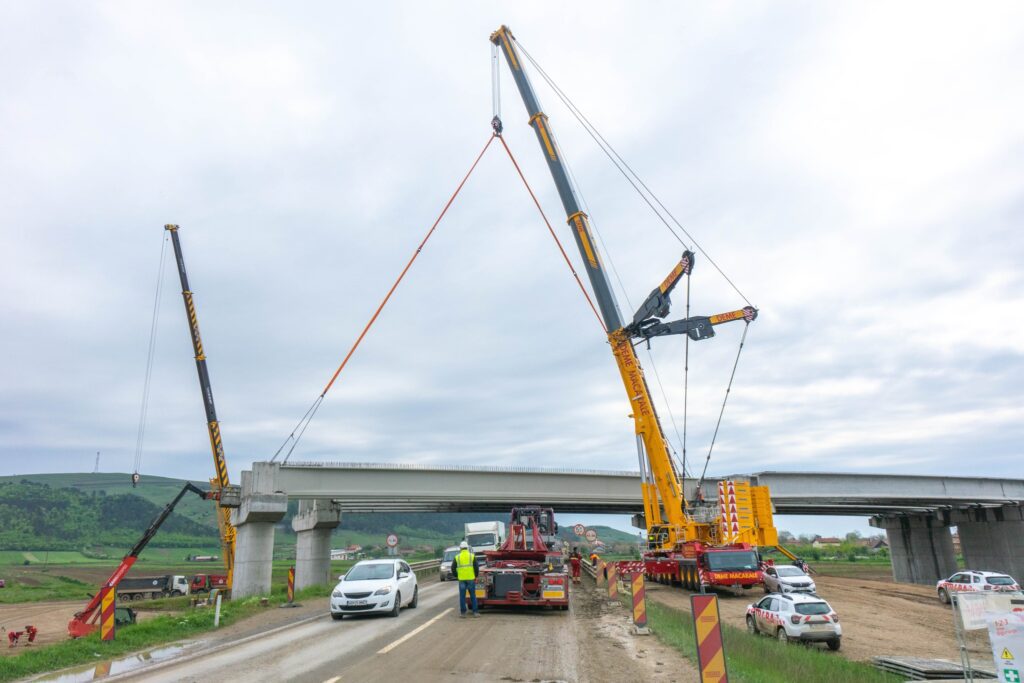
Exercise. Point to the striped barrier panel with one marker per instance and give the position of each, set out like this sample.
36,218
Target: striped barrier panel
639,603
707,627
108,604
291,584
613,581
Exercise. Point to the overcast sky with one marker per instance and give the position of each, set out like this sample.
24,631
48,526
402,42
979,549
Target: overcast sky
854,167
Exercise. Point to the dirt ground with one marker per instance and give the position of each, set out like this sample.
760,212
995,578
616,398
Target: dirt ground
607,626
51,618
878,617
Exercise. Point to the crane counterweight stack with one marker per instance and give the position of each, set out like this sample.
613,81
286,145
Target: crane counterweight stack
675,537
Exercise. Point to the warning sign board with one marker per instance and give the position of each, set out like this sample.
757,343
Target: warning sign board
707,627
1006,633
591,535
392,540
579,529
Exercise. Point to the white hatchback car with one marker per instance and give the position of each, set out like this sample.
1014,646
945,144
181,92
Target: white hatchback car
786,578
806,618
375,586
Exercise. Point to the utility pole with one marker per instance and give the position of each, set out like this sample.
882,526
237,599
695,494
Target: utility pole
96,467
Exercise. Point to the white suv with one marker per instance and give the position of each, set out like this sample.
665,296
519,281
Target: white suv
785,578
375,586
806,618
975,582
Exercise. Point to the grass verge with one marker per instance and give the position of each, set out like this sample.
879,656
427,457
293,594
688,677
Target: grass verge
160,630
757,659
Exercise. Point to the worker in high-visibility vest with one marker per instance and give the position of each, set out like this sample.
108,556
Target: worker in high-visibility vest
466,568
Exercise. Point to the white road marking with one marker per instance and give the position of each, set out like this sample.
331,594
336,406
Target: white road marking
333,680
388,648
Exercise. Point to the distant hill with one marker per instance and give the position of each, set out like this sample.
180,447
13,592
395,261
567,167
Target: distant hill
157,490
38,516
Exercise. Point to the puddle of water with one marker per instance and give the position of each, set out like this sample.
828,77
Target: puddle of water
112,667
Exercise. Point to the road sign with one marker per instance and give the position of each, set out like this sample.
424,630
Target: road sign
1006,633
708,630
638,592
579,529
108,608
392,540
591,535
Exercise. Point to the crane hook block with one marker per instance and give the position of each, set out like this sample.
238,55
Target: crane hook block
496,125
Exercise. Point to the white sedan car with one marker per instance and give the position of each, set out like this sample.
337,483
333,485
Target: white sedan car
375,586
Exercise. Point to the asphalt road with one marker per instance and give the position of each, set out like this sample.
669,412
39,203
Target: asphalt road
591,642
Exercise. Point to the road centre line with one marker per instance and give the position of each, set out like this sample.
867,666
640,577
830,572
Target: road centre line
388,648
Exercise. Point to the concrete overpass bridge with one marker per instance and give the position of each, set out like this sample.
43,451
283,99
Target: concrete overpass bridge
916,511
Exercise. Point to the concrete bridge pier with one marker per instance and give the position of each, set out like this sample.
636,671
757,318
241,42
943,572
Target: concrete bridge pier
313,524
921,547
992,539
254,522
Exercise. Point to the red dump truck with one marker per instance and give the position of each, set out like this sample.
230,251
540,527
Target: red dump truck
204,583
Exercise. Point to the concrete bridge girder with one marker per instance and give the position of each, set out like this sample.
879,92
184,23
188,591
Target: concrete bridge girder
910,508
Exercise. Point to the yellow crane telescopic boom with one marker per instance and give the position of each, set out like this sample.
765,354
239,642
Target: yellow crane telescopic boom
221,483
665,508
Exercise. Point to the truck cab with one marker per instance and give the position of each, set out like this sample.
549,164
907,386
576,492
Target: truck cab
484,536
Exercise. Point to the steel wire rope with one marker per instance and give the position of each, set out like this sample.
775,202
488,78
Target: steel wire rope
303,423
154,323
721,412
616,160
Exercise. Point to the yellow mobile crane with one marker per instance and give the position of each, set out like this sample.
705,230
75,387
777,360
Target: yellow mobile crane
696,544
222,491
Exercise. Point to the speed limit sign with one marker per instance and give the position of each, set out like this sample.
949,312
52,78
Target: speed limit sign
579,529
591,535
392,541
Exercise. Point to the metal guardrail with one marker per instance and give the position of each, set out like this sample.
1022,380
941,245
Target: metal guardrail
425,565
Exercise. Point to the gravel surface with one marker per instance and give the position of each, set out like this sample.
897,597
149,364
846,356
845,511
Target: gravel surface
879,617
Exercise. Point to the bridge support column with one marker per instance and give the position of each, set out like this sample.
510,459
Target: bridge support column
921,547
254,522
313,525
992,539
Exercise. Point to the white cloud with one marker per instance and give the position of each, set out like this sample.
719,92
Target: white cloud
855,168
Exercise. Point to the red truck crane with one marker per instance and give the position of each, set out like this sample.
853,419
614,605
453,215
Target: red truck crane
690,542
524,571
84,622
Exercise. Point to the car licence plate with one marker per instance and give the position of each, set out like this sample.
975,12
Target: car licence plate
357,602
821,627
